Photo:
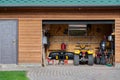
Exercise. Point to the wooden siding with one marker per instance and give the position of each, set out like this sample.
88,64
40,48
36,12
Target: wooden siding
30,26
117,40
29,41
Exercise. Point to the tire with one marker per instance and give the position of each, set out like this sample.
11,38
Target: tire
90,60
76,59
97,60
103,62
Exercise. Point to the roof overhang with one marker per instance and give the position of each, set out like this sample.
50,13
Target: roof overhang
59,3
63,6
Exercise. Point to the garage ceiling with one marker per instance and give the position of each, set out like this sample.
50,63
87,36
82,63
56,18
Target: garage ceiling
59,3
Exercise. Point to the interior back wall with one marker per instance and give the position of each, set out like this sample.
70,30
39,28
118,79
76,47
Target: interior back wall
57,36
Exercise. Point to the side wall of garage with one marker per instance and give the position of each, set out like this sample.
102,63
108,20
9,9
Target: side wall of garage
30,29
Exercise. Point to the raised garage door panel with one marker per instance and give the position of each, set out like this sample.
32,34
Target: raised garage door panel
78,21
8,41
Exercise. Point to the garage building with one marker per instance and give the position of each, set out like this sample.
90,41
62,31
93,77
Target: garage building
22,23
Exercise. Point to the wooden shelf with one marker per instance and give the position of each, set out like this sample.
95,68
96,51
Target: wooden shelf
74,39
76,42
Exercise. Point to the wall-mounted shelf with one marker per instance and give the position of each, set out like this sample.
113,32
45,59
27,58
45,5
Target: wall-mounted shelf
75,39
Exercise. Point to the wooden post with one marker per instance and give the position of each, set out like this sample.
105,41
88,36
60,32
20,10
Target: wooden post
43,56
44,41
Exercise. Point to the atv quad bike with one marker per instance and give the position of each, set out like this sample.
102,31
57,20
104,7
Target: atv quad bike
84,55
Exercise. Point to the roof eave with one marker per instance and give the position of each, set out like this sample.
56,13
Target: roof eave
63,6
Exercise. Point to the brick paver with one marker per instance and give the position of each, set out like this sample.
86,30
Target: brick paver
82,72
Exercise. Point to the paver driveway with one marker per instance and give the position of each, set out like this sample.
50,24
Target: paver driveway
82,72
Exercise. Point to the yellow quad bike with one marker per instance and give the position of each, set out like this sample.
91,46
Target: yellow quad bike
83,55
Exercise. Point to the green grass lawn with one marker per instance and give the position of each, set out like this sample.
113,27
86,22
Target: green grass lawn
13,75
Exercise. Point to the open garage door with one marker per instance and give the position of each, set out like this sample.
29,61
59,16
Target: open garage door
83,41
78,22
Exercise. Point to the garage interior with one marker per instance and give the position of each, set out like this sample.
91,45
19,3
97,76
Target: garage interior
78,34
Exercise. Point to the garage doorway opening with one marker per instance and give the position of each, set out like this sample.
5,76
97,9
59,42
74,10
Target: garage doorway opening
72,41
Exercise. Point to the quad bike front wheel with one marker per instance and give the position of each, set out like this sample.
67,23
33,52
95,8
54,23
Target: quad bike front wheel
90,60
76,59
97,60
103,61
